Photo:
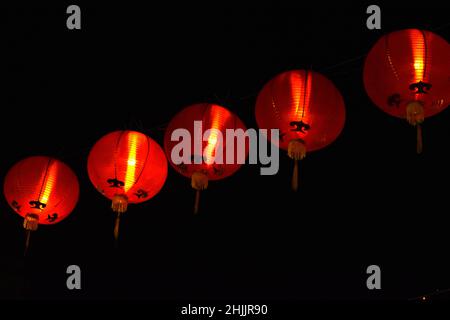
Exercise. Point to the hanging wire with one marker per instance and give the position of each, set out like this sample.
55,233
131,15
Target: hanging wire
343,63
441,27
138,124
430,295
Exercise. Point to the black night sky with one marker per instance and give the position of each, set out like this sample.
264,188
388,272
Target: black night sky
366,199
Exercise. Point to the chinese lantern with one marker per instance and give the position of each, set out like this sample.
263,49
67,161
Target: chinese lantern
407,75
307,109
206,125
42,190
127,167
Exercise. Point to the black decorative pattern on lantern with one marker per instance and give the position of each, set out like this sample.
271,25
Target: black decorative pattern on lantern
114,183
218,170
16,205
37,205
300,126
282,135
141,194
52,218
420,87
182,167
394,100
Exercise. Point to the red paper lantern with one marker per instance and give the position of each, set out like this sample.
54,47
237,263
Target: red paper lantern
407,75
127,167
43,190
307,109
209,116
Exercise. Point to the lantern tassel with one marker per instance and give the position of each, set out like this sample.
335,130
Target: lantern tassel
415,116
27,241
296,151
116,229
197,201
295,176
30,223
419,139
119,205
199,181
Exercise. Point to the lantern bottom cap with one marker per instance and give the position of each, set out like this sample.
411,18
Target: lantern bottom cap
119,203
415,113
31,222
297,149
199,181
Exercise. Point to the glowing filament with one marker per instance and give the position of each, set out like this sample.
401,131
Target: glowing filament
49,183
418,53
301,94
211,147
130,176
217,123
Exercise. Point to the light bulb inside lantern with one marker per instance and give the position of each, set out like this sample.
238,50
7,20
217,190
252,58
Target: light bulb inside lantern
130,174
49,182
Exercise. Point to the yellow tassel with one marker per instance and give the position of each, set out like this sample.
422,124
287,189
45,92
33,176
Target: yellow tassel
197,201
199,181
415,116
296,151
294,182
30,223
119,205
116,228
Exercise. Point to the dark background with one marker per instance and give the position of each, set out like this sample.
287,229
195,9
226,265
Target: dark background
366,199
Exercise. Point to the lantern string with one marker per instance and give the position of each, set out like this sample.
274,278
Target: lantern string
345,62
441,27
220,100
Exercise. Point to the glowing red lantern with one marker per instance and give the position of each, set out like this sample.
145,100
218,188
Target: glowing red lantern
307,109
43,190
407,75
127,167
206,125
